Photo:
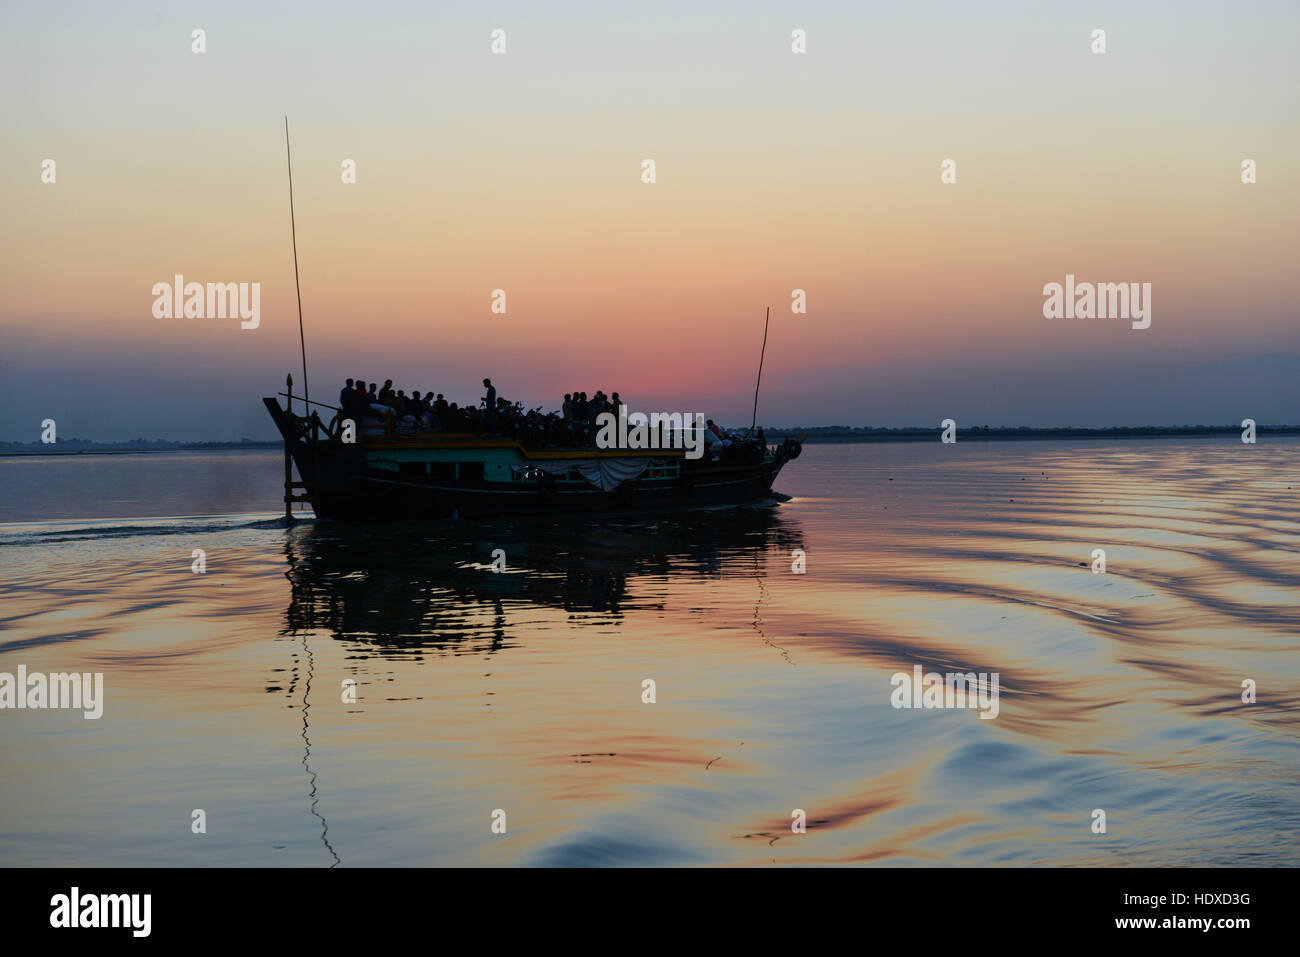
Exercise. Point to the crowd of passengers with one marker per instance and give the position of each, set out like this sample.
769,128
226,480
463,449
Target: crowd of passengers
575,426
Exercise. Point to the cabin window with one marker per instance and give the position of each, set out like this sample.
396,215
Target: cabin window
412,470
442,471
470,471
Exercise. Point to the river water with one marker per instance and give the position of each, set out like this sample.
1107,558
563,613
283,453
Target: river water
771,635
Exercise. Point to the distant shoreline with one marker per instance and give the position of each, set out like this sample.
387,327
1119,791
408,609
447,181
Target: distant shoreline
74,447
1022,433
813,434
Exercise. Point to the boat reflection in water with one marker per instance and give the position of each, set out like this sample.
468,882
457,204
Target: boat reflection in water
395,596
433,586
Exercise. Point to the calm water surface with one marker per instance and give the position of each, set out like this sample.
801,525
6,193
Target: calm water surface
522,691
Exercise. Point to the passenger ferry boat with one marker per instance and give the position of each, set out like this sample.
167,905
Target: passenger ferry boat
391,472
382,469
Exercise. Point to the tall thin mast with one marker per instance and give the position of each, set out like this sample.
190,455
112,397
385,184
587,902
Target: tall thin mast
293,230
766,319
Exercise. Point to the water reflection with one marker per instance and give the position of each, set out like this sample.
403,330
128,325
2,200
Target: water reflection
306,751
432,587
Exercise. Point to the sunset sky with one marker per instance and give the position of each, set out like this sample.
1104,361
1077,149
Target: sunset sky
775,171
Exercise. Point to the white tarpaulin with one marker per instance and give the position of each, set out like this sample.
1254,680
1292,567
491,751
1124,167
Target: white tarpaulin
606,474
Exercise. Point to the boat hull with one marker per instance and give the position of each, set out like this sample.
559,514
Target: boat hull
342,484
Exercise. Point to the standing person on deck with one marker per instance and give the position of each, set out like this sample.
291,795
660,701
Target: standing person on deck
490,406
595,407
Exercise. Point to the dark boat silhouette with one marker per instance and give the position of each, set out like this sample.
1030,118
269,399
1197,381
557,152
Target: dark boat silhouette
391,472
